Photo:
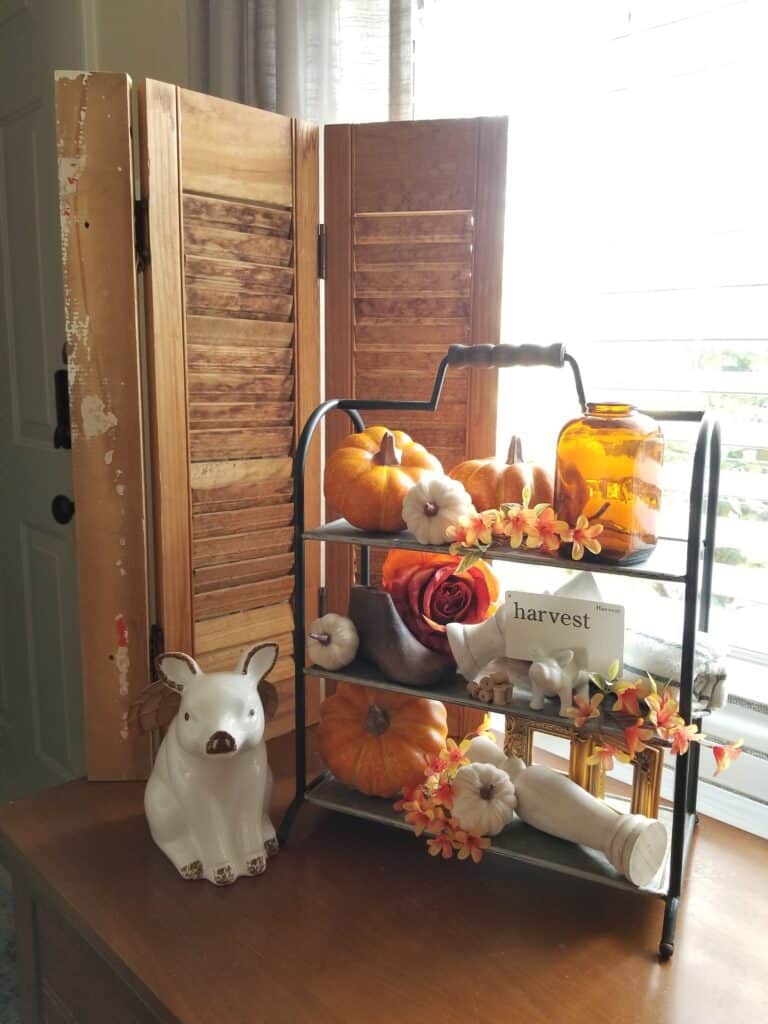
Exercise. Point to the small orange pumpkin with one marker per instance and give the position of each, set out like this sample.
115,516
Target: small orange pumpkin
491,482
379,742
370,473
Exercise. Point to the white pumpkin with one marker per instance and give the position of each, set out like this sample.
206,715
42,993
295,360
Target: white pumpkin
332,641
484,799
432,505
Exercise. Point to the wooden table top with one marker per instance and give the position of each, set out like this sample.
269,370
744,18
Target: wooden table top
354,922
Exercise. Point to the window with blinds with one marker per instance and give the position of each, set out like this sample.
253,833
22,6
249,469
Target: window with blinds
636,234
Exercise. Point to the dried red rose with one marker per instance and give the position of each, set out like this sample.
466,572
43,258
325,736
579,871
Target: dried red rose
428,594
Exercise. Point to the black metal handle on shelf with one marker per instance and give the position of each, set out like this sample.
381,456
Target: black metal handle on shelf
487,357
490,356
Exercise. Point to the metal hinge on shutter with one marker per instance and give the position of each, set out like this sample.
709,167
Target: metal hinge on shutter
141,233
156,646
322,251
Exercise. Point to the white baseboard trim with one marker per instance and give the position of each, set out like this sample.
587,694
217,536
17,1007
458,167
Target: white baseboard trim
733,809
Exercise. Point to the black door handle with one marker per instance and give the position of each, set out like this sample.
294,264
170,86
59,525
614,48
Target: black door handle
62,509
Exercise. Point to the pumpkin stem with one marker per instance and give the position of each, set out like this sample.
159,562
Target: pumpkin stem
515,453
376,721
486,791
388,454
322,638
430,508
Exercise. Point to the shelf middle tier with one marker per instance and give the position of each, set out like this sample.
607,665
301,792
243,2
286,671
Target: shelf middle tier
666,563
452,690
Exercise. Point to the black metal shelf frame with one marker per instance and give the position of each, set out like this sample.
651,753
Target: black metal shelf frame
696,578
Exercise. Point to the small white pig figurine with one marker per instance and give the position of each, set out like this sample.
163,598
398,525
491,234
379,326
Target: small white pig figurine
557,675
207,799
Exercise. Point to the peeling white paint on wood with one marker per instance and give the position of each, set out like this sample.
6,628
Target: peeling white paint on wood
108,456
123,664
96,419
71,75
120,488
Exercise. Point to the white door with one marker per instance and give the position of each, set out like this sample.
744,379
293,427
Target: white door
41,735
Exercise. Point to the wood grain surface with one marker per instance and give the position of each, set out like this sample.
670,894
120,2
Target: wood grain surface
414,215
351,923
167,369
245,345
93,123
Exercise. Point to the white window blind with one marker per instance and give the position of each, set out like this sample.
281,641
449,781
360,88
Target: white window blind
637,235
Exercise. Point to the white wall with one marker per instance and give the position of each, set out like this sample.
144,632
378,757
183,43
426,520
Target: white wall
145,38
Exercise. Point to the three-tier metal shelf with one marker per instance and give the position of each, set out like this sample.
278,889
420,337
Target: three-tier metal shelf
687,561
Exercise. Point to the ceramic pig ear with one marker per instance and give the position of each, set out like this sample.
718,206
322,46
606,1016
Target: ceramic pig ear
564,658
258,662
177,670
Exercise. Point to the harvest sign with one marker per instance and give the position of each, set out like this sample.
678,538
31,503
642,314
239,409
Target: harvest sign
538,624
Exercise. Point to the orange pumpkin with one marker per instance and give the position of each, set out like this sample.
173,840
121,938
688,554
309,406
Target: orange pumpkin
379,742
491,482
370,473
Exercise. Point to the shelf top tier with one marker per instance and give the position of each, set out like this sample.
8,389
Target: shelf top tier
666,563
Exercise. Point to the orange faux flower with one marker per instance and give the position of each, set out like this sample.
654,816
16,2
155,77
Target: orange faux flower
409,795
663,713
635,737
441,844
518,521
628,697
485,728
546,532
435,765
584,536
726,755
454,755
470,845
443,794
683,736
605,754
584,709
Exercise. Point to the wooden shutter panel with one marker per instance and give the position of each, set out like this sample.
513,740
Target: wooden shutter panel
233,343
93,127
414,221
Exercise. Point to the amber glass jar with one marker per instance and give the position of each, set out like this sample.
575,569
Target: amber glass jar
610,459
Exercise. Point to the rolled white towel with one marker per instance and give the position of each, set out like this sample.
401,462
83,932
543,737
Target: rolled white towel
651,651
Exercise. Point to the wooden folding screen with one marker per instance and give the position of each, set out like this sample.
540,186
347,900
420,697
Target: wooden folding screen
228,236
233,342
414,217
228,241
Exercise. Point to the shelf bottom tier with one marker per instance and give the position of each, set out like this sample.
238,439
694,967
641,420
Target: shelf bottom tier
517,842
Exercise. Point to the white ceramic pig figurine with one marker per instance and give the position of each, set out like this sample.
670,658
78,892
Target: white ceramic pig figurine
207,799
557,675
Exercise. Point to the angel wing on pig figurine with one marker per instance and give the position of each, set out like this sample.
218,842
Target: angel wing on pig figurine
207,799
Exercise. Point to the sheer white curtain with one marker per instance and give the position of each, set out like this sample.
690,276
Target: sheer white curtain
324,60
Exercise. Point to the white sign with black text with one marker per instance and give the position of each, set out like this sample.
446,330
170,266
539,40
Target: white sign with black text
538,624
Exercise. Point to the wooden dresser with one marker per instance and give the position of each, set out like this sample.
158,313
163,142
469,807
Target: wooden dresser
355,924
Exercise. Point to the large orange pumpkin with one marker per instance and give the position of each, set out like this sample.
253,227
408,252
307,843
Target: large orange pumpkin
370,473
379,742
491,482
